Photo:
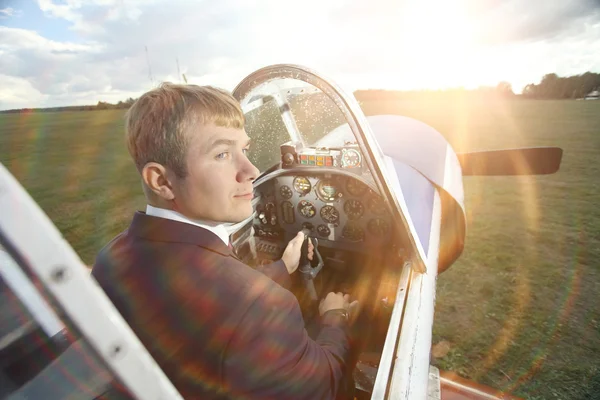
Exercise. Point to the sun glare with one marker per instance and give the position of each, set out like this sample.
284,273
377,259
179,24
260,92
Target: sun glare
436,45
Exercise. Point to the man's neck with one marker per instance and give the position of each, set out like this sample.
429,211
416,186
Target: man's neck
217,228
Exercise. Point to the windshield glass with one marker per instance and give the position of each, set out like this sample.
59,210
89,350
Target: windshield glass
283,110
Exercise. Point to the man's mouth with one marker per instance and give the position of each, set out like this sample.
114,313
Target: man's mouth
248,196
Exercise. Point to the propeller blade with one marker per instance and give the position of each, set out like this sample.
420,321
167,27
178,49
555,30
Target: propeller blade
524,161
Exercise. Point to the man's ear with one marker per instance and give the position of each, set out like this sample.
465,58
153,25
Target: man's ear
155,177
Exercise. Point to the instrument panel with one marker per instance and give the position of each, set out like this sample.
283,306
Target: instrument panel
335,208
348,157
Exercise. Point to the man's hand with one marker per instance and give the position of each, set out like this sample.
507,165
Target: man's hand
291,255
335,301
353,309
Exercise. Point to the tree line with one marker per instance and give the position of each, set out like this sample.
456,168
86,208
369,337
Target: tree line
121,105
571,87
551,87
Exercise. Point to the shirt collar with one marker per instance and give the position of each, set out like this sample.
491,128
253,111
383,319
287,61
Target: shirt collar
216,228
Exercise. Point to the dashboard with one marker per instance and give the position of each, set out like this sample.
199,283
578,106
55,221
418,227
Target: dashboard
342,211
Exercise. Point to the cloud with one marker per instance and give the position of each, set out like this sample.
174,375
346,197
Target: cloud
18,93
381,43
512,21
46,64
8,12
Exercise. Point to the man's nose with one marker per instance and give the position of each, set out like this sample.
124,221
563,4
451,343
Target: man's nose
247,171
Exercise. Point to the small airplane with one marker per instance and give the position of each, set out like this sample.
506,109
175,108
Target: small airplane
381,197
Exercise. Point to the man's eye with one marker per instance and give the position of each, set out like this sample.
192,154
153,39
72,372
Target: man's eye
245,151
222,156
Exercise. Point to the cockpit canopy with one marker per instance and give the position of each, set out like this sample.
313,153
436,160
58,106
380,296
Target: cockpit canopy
298,119
287,118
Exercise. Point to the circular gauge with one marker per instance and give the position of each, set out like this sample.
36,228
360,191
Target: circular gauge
353,233
330,214
302,185
376,205
354,209
378,227
323,230
351,158
326,190
306,209
356,188
286,192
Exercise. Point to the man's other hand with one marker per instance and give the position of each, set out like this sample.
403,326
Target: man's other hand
338,301
291,255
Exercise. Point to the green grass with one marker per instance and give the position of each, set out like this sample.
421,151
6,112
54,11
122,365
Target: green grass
519,308
76,166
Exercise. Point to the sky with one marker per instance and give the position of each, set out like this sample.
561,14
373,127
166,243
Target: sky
72,52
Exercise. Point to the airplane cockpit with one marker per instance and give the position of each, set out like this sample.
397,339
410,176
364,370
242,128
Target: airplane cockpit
317,175
373,216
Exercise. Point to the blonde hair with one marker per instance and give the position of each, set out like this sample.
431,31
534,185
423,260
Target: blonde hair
157,124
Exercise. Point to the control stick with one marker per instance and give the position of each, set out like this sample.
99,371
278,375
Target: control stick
306,269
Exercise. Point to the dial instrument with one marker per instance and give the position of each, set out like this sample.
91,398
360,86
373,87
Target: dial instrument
378,227
356,188
327,191
376,205
302,185
350,158
353,233
306,209
286,192
330,214
354,209
323,230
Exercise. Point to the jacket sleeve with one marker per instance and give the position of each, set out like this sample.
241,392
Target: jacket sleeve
271,356
277,272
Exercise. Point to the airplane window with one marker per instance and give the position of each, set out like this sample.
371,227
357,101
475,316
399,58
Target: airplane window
316,115
284,110
267,131
42,356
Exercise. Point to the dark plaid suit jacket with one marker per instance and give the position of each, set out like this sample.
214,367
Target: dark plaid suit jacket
218,328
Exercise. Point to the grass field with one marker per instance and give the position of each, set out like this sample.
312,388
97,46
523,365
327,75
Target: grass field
518,311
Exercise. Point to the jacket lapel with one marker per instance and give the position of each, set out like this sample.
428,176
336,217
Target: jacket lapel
166,230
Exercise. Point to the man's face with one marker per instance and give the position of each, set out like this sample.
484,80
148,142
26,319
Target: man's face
218,186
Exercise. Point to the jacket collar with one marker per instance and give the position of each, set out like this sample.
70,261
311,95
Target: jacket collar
216,228
167,230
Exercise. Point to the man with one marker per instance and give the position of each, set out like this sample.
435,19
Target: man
218,328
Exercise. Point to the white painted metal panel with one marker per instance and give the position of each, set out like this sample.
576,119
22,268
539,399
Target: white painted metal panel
66,278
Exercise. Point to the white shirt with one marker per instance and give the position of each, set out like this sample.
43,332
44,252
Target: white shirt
214,227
